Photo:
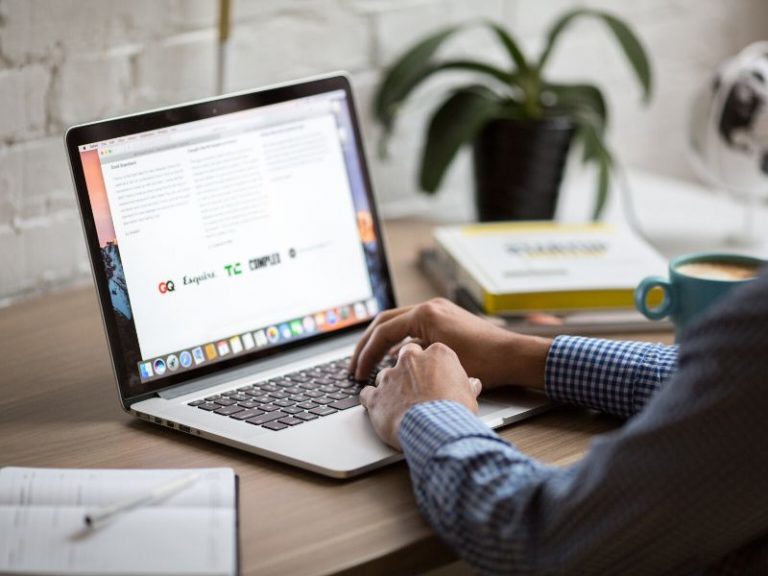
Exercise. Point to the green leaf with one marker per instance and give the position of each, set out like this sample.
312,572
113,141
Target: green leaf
584,98
633,50
629,42
595,151
405,74
521,64
507,78
603,185
456,122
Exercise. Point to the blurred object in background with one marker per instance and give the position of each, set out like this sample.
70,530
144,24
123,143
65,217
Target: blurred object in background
729,134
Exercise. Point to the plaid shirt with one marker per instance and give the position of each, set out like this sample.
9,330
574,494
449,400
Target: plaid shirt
680,489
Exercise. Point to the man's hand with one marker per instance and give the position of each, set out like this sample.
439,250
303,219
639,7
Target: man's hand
492,354
419,376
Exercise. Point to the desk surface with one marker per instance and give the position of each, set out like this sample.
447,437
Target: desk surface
58,408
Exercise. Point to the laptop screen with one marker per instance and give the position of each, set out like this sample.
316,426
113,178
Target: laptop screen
233,236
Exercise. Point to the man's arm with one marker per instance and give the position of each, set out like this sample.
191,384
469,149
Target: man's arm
679,488
616,377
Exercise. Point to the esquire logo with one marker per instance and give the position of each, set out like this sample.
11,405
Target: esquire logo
167,286
197,279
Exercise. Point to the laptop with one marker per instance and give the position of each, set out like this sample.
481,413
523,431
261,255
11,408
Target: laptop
238,257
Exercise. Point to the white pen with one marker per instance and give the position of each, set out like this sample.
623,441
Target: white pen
93,519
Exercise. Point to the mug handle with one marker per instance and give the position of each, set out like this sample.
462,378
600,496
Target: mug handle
641,297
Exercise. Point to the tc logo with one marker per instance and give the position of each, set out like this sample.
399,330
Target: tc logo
233,269
167,286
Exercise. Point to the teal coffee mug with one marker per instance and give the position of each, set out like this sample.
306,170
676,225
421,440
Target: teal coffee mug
696,281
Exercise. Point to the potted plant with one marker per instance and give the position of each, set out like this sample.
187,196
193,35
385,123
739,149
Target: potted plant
520,123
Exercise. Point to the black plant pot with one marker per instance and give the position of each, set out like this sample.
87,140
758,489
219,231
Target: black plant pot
518,168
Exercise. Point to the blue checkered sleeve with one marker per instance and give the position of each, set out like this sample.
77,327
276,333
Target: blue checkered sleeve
468,480
679,489
614,377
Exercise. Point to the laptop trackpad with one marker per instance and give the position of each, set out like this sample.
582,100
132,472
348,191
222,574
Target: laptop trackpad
509,404
344,443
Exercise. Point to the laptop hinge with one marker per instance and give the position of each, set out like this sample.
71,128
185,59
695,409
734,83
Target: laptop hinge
260,366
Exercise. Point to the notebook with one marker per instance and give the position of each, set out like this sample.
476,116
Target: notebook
42,529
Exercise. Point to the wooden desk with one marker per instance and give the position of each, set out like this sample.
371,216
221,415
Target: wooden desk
58,407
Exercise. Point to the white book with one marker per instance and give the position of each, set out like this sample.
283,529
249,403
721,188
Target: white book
514,267
42,528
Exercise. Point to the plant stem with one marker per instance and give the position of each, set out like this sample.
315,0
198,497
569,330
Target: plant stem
531,85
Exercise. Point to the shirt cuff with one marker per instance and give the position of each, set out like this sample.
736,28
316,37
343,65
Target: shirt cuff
612,376
428,426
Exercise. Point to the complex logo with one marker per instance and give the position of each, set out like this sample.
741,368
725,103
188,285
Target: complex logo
264,261
167,286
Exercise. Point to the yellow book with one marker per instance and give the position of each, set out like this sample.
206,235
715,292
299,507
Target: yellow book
514,267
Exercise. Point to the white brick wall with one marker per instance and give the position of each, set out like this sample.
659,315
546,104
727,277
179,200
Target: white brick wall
69,61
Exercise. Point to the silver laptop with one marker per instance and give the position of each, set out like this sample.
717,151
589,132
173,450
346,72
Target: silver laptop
238,257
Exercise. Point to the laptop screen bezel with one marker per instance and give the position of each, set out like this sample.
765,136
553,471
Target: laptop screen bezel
157,119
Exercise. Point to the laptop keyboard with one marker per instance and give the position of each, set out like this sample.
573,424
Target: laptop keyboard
292,399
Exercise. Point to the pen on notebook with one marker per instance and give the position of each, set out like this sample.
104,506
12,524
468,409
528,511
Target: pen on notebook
96,517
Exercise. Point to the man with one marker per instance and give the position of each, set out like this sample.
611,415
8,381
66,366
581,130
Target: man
682,488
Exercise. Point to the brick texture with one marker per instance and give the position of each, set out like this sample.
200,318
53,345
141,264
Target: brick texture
69,61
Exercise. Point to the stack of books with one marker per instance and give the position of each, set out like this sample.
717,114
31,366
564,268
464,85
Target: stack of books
545,277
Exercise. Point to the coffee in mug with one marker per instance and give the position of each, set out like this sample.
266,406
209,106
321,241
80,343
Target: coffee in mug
719,270
695,283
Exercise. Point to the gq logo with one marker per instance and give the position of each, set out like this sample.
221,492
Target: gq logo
167,286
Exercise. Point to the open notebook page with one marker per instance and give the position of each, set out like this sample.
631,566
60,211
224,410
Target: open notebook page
41,523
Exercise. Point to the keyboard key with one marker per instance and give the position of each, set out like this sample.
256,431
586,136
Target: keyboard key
323,400
268,407
212,398
322,411
269,388
279,395
228,410
275,426
254,392
313,393
224,402
196,402
209,406
291,421
328,389
292,409
346,403
293,390
299,377
248,404
238,397
308,405
264,418
282,403
305,416
263,399
346,384
245,414
298,398
245,388
337,396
